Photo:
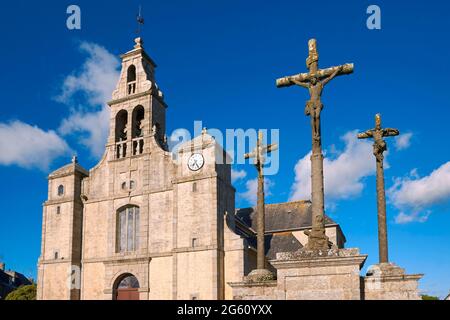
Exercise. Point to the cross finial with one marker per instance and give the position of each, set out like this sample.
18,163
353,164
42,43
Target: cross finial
313,56
378,121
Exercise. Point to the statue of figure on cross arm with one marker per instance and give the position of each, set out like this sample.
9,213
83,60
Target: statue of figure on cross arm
315,80
314,105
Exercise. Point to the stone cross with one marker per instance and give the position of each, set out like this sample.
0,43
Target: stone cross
259,160
315,80
379,147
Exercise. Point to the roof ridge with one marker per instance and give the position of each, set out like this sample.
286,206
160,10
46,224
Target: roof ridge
289,202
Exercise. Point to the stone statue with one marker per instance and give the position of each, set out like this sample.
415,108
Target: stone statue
379,147
314,105
315,80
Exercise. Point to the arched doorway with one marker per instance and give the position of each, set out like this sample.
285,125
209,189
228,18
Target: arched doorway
126,288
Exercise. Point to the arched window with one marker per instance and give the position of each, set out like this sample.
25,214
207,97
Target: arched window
128,229
138,121
61,190
121,134
126,287
121,125
131,79
129,282
131,74
138,130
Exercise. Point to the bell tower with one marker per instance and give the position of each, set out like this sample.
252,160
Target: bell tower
138,110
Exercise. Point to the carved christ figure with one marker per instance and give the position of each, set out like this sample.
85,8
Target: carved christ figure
378,133
314,105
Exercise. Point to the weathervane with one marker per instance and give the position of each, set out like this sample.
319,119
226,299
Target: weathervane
140,20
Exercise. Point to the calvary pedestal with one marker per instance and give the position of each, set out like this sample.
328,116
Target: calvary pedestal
387,281
329,275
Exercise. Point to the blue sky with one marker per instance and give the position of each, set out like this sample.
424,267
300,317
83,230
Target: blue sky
217,63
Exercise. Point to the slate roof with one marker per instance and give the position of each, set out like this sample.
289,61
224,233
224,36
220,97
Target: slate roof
68,169
275,243
281,217
281,220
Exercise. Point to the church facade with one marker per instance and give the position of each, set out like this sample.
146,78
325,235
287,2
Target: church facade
147,223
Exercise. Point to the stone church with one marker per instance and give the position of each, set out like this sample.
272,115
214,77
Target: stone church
145,223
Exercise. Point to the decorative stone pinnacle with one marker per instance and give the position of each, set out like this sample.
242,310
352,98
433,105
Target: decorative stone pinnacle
74,159
139,43
204,131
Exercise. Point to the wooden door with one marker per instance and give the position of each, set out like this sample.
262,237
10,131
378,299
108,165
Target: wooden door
127,294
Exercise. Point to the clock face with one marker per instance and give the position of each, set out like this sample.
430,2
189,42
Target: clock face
196,162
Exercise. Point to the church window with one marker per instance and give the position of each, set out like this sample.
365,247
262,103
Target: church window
194,242
58,210
132,185
138,130
121,134
121,125
128,282
124,186
128,229
138,121
131,79
56,255
131,73
194,187
61,190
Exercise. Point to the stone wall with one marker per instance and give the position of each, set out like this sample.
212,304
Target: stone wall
387,281
255,291
332,276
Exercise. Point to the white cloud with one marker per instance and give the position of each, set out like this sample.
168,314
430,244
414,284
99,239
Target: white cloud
94,84
416,194
85,92
403,218
403,141
92,128
95,80
29,146
343,174
237,175
251,193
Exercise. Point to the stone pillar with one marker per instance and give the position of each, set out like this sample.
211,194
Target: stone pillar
381,203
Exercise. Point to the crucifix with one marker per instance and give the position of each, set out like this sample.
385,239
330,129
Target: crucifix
259,159
379,147
315,80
